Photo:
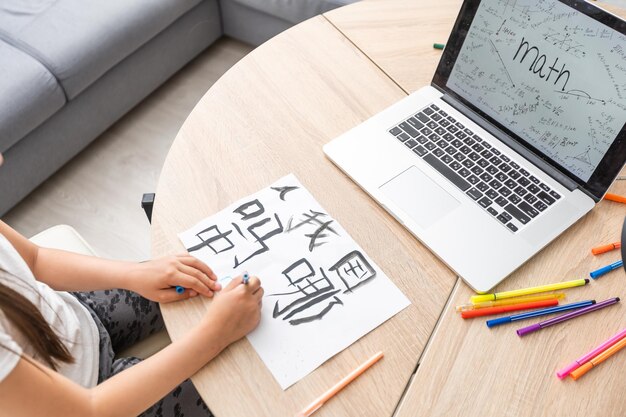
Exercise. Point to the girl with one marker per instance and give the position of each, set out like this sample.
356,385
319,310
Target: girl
57,347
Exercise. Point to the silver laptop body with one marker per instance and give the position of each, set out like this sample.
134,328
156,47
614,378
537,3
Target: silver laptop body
492,161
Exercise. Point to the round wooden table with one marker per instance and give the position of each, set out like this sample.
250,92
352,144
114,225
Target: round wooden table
269,116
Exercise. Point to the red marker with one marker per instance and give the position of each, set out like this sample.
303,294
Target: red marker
504,309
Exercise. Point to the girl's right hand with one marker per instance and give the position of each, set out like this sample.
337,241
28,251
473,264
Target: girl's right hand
236,310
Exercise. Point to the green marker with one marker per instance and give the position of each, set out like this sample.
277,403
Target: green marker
439,45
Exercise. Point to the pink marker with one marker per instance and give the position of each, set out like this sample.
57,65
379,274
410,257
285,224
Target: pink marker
586,358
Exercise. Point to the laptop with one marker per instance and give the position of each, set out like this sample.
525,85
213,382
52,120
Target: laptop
519,135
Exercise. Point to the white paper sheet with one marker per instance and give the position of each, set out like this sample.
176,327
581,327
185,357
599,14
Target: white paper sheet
322,292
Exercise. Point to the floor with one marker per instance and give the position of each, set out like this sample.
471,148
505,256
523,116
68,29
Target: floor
99,192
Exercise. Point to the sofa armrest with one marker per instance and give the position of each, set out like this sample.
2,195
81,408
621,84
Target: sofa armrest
65,237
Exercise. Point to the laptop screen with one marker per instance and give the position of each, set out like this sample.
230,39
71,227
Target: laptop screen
547,72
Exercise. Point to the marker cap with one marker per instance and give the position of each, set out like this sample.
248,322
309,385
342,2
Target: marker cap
604,248
498,321
525,330
599,272
481,298
567,370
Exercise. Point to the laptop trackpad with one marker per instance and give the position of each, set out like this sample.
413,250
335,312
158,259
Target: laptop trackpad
419,196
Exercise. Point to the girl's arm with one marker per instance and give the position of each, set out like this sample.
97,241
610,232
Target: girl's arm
31,390
155,280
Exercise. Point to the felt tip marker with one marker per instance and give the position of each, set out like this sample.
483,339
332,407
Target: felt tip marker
606,248
614,197
510,301
526,291
537,313
567,316
577,373
180,289
589,356
319,402
246,278
505,309
605,269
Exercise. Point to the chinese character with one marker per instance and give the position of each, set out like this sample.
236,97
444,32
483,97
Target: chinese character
354,270
261,230
213,239
284,190
243,210
313,297
318,233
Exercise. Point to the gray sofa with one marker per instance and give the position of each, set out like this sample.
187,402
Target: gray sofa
70,68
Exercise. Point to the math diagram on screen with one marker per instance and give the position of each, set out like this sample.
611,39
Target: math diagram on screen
550,74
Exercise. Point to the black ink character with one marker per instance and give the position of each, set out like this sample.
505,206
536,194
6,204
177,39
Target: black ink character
354,270
261,230
243,209
284,190
314,295
319,233
213,239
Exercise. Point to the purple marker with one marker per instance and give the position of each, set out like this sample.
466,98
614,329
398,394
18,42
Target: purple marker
564,317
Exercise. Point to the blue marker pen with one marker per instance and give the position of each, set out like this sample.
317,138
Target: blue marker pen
537,313
599,272
246,278
180,289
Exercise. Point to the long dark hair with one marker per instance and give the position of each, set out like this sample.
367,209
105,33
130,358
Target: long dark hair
28,320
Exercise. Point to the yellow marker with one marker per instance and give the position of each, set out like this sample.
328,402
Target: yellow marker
506,302
525,291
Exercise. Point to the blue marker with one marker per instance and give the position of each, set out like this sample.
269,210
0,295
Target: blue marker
246,278
599,272
180,289
537,313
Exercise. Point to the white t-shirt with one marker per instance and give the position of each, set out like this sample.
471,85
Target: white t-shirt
65,315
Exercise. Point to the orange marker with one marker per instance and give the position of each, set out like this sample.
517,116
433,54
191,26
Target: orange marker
504,309
577,373
315,405
606,248
615,197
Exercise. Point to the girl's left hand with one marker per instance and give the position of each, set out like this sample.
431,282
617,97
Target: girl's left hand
156,280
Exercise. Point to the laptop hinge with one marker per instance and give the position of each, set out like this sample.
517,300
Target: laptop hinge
510,142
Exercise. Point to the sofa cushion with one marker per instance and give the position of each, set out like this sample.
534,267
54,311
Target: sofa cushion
79,40
29,95
294,11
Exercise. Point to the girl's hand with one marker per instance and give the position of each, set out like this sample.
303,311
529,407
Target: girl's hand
236,311
157,280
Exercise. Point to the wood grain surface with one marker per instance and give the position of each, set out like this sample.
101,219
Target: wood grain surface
268,116
398,35
471,370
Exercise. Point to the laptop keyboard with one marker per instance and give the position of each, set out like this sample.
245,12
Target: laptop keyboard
499,185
